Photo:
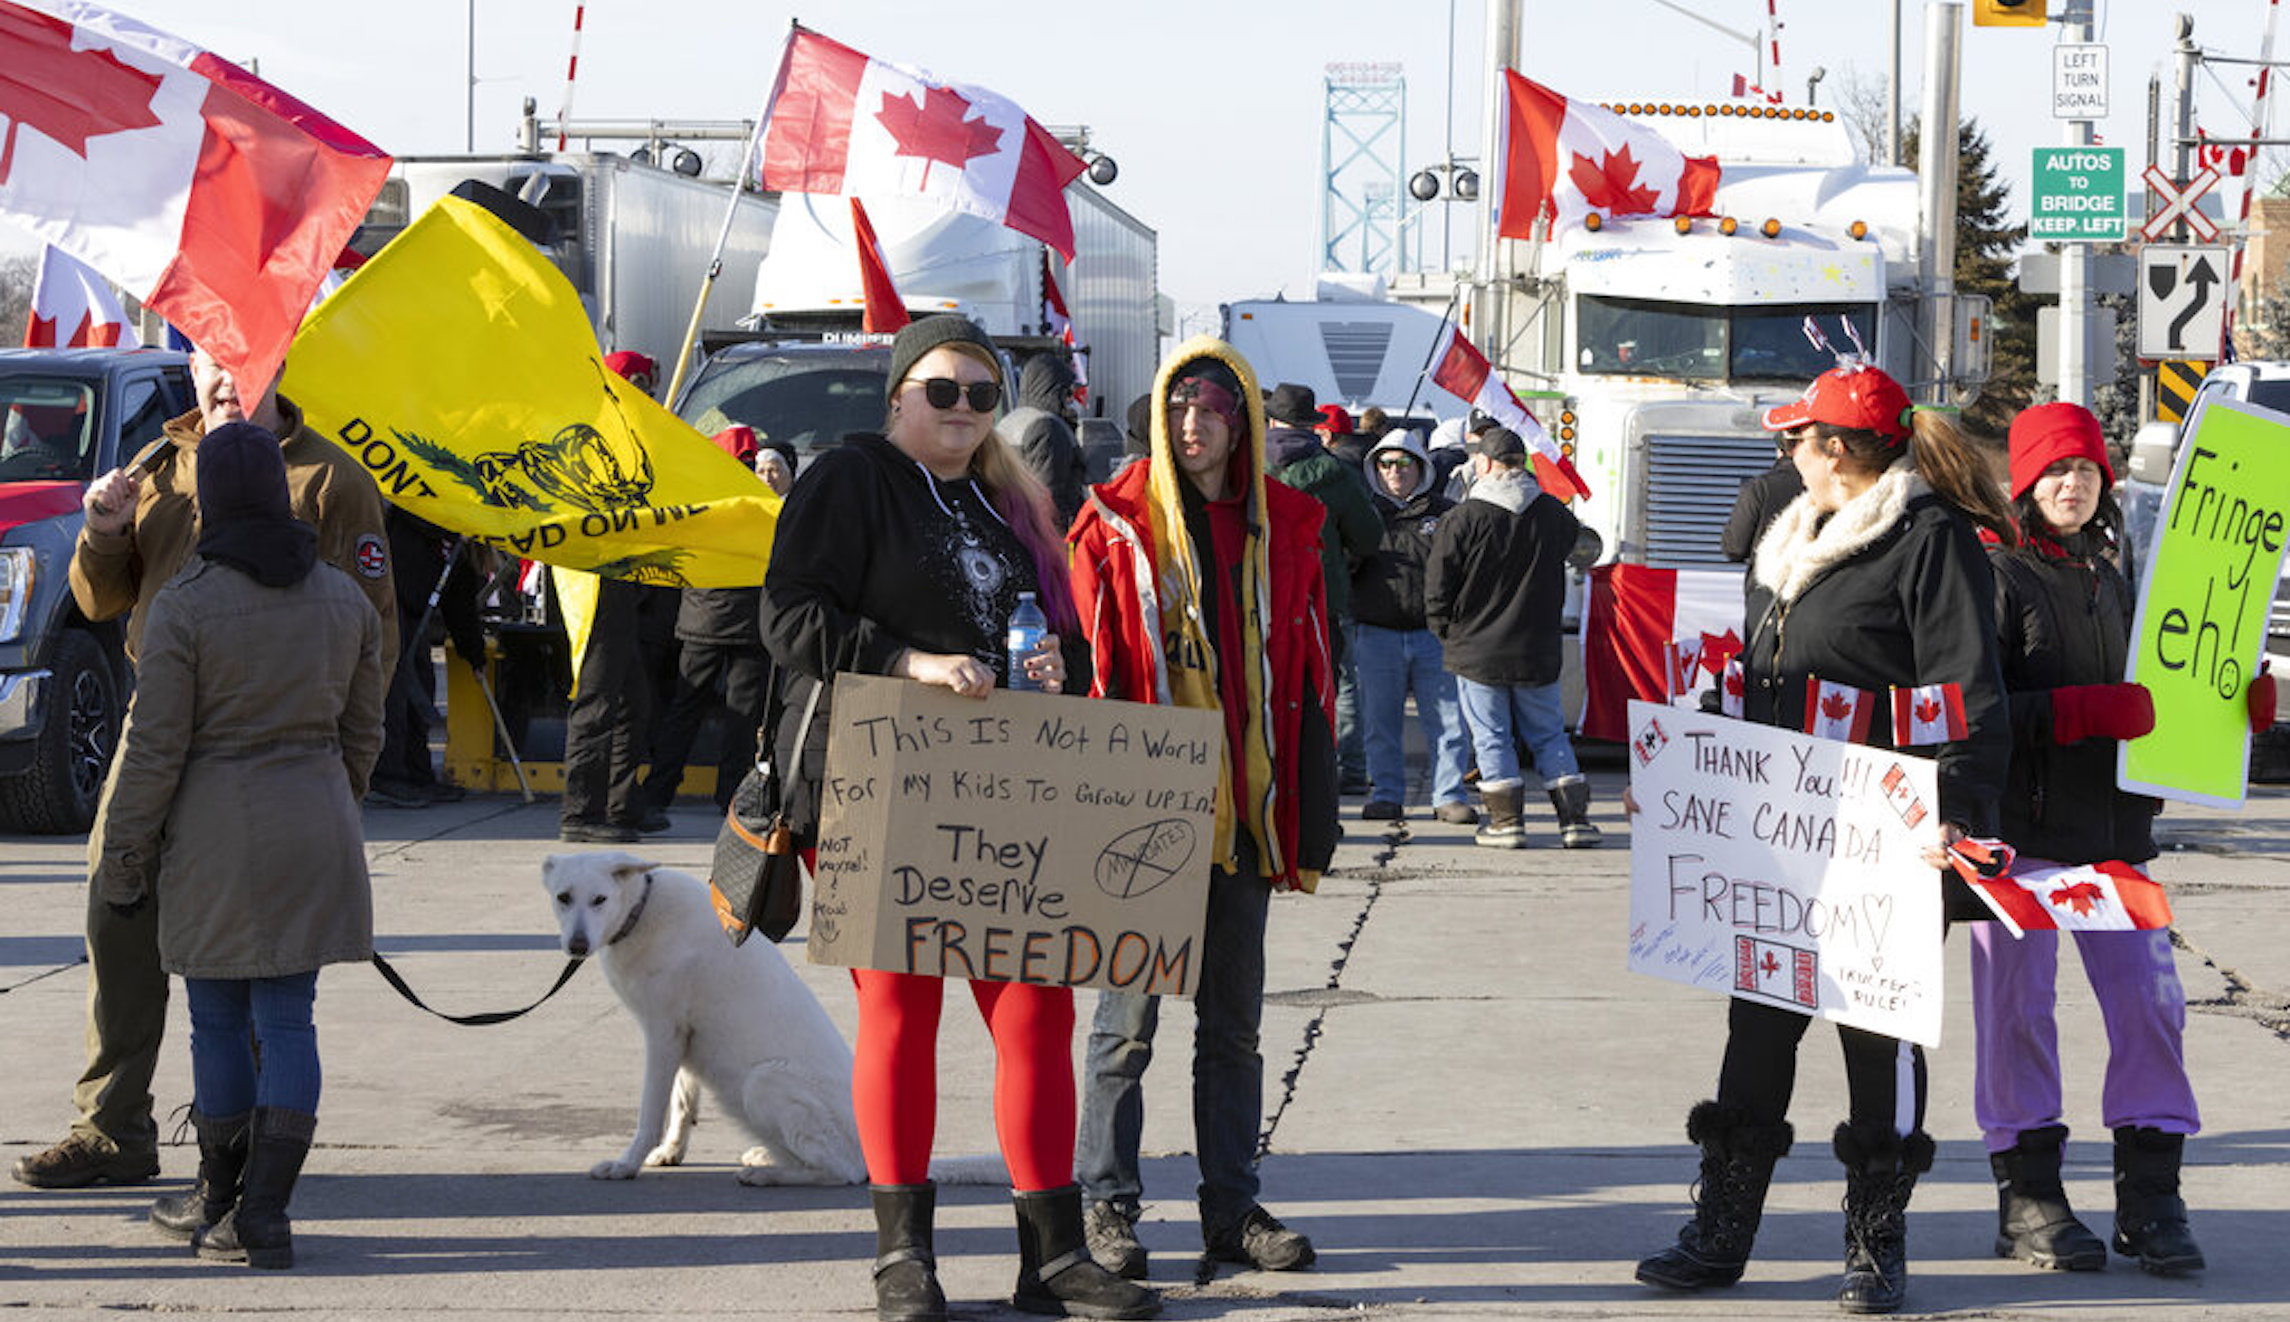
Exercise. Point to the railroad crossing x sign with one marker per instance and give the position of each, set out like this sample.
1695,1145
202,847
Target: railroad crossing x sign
2178,204
2182,301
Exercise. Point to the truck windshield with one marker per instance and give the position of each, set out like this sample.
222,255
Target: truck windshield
1643,337
807,396
47,429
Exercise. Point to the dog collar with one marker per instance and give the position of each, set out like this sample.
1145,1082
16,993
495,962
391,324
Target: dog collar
628,924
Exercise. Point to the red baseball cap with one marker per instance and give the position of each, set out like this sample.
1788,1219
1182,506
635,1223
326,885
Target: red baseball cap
1334,420
1855,398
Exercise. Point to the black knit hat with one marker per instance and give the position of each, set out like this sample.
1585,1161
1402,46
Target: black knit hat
246,518
917,338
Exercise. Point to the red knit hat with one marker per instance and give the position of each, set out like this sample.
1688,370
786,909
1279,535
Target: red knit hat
2048,433
1855,398
739,441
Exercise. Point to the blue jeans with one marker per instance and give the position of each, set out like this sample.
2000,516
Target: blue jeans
1501,713
230,1017
1394,662
1228,1069
1351,762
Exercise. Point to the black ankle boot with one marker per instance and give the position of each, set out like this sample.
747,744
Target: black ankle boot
906,1271
1737,1168
1056,1275
2033,1221
257,1231
222,1161
2150,1217
1880,1173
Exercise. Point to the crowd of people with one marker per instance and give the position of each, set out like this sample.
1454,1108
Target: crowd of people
1254,551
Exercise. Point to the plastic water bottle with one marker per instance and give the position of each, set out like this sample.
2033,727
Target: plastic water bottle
1027,626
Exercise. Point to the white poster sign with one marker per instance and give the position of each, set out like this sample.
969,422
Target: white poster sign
1786,869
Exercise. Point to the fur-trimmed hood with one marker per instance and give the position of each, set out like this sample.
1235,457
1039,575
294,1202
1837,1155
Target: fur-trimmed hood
1805,542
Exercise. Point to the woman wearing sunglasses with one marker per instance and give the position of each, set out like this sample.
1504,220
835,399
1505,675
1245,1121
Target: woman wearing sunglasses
904,554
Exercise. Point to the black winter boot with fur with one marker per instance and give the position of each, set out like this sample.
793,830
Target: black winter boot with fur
1881,1167
1729,1200
906,1270
2033,1221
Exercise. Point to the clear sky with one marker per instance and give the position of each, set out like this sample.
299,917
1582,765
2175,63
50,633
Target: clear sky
1213,108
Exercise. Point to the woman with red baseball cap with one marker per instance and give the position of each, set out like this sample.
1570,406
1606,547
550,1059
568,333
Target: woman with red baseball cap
1873,578
2063,612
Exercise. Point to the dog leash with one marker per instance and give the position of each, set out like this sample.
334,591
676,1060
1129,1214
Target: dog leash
392,977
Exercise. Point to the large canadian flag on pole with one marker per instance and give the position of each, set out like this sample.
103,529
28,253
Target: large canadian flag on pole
839,122
73,306
1462,371
1563,159
214,198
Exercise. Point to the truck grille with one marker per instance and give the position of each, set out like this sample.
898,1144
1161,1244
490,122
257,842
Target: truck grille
1691,484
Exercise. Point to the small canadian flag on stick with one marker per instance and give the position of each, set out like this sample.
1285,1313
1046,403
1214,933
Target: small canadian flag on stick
1464,372
1838,711
1927,714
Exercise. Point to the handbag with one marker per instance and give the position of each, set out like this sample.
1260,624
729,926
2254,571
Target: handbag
757,876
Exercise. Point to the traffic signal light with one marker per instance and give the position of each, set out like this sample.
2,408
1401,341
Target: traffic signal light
2008,13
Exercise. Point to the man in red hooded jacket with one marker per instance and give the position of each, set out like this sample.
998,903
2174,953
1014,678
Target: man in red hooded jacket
1199,583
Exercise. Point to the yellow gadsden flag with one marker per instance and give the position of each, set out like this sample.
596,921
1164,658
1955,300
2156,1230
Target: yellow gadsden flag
459,368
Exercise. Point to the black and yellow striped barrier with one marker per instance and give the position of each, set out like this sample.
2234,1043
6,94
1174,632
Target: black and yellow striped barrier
2176,380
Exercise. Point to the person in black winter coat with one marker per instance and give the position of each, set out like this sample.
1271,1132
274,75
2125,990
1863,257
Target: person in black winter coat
1873,578
1397,652
722,665
1040,429
1760,501
1494,589
904,554
2063,613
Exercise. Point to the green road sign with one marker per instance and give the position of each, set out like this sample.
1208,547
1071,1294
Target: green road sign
2078,195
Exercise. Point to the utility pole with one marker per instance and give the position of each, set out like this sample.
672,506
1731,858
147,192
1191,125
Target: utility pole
2075,258
1936,183
1492,309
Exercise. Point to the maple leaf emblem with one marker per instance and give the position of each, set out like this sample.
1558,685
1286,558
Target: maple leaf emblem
69,95
2078,897
1928,711
1769,965
1837,707
1733,683
937,129
1609,185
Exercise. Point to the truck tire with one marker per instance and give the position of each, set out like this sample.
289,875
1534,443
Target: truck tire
58,794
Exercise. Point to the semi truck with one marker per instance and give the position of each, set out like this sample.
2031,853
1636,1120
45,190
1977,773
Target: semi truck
634,239
1351,348
944,261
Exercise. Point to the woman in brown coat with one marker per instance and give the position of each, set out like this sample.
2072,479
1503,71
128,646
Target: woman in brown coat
234,808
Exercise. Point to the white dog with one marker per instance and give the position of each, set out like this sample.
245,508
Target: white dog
735,1018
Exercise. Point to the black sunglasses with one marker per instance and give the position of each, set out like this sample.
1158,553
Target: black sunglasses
942,391
1394,460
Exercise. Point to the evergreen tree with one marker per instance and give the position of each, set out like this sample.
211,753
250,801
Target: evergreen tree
1987,245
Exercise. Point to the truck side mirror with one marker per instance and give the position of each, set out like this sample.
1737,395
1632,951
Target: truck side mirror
2151,448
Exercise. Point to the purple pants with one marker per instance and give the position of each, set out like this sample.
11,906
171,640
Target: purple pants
2015,1083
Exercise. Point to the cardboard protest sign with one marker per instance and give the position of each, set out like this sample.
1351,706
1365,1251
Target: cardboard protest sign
1784,869
2201,622
1026,838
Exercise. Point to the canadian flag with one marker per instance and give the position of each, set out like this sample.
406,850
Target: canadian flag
216,199
1684,663
1927,714
1060,323
2087,897
839,122
1462,371
73,306
886,311
1732,688
1838,711
1563,159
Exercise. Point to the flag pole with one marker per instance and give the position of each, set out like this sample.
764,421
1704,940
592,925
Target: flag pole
1438,338
715,263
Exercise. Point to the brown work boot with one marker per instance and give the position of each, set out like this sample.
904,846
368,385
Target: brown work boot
85,1159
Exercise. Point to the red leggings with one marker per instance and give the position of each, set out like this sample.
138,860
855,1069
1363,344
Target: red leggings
894,1080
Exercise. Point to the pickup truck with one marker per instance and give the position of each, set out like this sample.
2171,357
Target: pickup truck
67,416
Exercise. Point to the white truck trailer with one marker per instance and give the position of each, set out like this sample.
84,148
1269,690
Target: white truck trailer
944,261
634,239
